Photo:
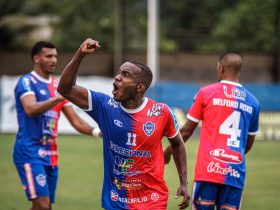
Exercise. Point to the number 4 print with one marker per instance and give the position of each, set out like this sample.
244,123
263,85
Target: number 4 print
231,127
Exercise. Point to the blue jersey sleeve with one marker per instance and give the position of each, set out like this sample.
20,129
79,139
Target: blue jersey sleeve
254,125
24,86
97,102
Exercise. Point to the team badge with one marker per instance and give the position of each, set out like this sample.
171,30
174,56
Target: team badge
149,128
114,195
154,196
41,180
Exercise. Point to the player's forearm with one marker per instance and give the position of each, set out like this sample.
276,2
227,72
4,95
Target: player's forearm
83,127
69,75
41,107
180,159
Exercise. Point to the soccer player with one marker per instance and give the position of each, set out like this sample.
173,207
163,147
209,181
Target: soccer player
38,109
229,115
132,127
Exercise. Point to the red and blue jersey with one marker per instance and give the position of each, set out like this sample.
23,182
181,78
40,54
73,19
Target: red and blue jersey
229,113
132,150
36,137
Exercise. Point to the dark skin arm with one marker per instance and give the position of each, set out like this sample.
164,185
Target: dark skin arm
67,85
250,142
186,132
180,159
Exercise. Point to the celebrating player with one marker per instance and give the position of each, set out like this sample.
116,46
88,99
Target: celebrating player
38,110
132,127
229,115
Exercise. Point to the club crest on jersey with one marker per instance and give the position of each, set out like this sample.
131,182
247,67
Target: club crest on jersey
149,128
114,195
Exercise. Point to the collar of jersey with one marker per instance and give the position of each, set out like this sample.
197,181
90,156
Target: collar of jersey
34,73
231,83
138,109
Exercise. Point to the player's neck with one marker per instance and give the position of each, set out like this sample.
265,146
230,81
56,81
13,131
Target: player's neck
41,72
133,104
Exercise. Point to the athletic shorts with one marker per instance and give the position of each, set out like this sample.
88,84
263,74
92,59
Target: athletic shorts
38,180
207,195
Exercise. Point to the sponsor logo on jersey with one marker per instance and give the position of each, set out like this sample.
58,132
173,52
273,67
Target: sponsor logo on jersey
113,103
43,153
129,184
41,180
228,157
129,152
123,166
234,93
26,84
218,169
43,92
155,111
154,196
149,128
115,197
118,123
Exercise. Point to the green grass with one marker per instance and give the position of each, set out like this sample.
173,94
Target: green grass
81,175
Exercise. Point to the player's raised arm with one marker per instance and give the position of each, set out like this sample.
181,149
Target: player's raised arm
67,85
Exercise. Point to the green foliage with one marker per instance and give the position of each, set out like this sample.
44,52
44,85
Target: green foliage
197,26
82,20
249,26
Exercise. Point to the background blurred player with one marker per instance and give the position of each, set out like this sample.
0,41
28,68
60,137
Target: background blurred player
229,115
38,110
132,127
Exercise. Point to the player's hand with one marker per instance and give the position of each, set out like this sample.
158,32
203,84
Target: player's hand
89,46
167,155
59,98
183,191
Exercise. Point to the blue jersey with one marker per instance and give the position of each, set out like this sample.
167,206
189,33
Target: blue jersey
229,113
36,137
133,154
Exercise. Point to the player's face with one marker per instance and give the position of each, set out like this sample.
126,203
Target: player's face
126,82
47,60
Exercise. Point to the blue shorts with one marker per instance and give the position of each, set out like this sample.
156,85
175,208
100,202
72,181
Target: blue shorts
38,180
207,195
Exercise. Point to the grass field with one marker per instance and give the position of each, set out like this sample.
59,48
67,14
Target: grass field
81,176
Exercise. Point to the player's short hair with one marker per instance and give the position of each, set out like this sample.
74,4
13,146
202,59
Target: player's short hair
37,47
146,74
232,60
229,52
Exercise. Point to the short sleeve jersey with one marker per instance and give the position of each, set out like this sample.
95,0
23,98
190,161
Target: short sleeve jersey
132,150
36,137
229,113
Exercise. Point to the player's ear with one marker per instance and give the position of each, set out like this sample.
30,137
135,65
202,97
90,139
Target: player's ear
141,87
36,58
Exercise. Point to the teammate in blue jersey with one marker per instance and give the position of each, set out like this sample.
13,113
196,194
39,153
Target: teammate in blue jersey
132,127
38,107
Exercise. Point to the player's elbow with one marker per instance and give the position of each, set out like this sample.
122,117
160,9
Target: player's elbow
186,133
30,112
61,90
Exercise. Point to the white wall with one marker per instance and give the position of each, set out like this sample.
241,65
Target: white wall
8,118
